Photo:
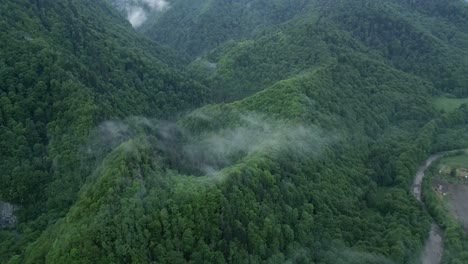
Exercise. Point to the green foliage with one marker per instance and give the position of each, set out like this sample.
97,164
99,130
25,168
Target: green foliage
391,28
65,66
195,27
268,207
331,31
56,87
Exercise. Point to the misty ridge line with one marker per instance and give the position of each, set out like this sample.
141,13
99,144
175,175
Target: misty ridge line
206,153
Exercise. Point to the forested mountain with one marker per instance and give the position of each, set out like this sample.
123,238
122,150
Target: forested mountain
225,131
426,40
66,66
198,26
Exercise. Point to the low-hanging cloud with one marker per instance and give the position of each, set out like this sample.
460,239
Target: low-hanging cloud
137,11
158,5
136,16
208,152
254,135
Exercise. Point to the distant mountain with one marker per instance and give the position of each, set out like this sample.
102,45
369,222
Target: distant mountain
196,27
426,40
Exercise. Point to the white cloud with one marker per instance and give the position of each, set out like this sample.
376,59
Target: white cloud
137,16
137,10
159,5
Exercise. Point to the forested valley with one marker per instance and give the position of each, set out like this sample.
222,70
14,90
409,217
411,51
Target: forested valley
227,131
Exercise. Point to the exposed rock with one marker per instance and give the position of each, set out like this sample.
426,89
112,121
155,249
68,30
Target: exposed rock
7,216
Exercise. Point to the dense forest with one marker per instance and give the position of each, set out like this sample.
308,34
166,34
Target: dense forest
227,131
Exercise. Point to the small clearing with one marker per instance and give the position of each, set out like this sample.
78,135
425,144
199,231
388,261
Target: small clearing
458,163
448,104
457,197
453,187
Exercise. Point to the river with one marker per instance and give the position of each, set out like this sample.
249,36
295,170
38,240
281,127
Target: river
433,249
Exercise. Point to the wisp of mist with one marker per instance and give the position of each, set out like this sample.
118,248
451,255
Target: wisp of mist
137,10
208,152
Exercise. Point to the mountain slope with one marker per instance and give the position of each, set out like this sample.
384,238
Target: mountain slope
299,177
195,27
66,66
416,40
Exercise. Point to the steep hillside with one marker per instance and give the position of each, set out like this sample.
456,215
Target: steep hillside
426,41
195,27
65,67
314,169
282,175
